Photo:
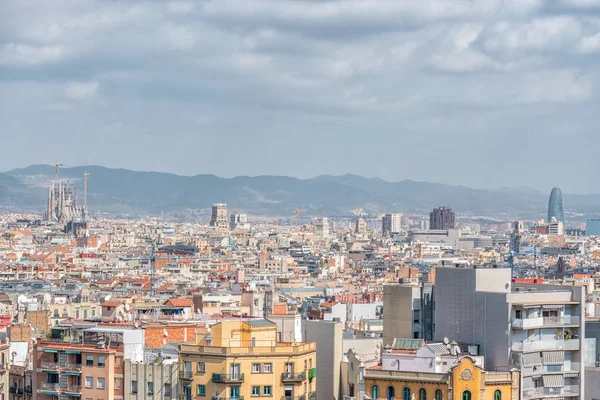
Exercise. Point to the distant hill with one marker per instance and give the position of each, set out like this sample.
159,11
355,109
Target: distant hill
135,192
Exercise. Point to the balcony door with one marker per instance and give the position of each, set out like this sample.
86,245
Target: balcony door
288,392
235,371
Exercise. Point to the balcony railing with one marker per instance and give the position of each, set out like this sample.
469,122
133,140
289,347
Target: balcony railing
72,389
291,377
12,389
73,367
27,389
542,392
569,367
49,365
227,378
49,386
568,344
530,323
300,397
187,374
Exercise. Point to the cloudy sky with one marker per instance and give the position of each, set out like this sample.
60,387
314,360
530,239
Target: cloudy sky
483,93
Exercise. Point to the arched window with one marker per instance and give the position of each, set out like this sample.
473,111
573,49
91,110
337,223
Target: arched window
497,395
406,393
391,393
438,394
422,394
375,392
466,395
55,313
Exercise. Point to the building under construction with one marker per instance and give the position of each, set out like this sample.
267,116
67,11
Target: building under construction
63,208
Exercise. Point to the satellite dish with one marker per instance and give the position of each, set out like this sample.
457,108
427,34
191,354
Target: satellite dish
446,340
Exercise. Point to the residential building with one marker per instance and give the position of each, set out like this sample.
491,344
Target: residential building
154,378
4,369
218,218
322,227
391,223
401,312
328,338
238,221
242,358
536,328
360,226
441,218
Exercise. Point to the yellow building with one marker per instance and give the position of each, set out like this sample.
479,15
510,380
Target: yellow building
464,381
242,359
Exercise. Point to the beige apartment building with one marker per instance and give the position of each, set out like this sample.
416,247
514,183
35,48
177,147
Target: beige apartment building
243,359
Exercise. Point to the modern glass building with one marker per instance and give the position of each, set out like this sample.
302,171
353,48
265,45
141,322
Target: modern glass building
592,227
555,206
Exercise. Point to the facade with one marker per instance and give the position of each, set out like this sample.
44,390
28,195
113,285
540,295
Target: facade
218,218
360,226
555,206
536,328
592,227
243,359
329,346
401,312
154,378
238,221
391,223
4,369
464,381
322,227
441,218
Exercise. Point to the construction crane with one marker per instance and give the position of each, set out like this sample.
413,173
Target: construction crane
56,166
151,261
297,216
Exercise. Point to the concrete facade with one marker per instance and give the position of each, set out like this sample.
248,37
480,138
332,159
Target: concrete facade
328,337
401,312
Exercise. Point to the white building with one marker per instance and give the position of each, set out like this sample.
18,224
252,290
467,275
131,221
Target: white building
322,227
391,223
536,328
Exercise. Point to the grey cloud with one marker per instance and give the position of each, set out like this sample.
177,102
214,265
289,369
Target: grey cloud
453,91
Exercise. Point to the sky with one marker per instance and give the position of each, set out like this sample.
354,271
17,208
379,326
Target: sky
481,93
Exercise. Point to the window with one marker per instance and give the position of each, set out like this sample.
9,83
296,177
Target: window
234,392
201,390
133,387
422,394
375,392
267,368
52,378
406,393
56,313
118,383
255,368
77,314
89,361
497,395
85,313
167,390
150,387
101,361
201,366
519,314
438,394
255,390
268,390
89,382
391,393
101,383
64,313
93,312
466,395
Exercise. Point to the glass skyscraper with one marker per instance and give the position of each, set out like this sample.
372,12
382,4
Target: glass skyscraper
555,206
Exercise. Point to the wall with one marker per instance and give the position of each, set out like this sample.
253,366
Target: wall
328,337
398,304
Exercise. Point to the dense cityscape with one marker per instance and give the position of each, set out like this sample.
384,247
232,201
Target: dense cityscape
387,306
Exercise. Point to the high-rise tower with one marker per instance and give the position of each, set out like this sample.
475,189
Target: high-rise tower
555,206
218,218
441,218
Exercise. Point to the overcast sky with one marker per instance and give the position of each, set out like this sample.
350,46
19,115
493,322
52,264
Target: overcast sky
482,93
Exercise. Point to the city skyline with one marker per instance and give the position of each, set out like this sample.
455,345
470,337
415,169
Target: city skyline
136,84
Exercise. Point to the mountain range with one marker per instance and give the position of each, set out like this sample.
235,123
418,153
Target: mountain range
121,191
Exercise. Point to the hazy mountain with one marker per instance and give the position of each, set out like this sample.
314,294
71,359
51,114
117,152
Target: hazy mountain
120,190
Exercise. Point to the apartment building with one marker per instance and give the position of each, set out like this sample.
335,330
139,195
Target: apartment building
536,328
154,378
4,369
242,358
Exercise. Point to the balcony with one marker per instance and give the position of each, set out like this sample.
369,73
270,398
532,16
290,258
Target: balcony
12,389
71,389
48,387
73,367
540,345
542,392
566,368
53,366
228,378
532,323
27,389
291,377
187,375
300,397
